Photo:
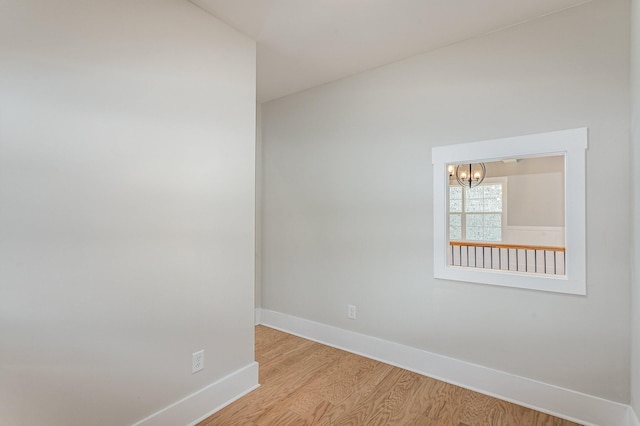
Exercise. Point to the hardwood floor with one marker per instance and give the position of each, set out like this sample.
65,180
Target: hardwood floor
307,383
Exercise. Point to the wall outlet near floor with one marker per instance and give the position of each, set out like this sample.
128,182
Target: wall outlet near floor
351,311
197,363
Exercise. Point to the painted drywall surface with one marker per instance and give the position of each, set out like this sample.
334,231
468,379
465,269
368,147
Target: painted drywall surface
348,212
535,190
127,194
258,266
635,144
536,200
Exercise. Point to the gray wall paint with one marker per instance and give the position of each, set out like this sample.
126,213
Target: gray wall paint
535,190
258,275
348,212
635,144
127,207
536,200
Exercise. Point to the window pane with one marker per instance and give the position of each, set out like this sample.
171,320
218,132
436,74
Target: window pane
482,209
493,220
455,193
455,232
475,192
455,227
455,199
492,205
475,233
482,205
474,205
455,219
492,234
475,220
492,191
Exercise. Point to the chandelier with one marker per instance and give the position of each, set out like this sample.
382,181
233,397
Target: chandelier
471,174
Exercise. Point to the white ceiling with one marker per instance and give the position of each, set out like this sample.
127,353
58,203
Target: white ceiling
305,43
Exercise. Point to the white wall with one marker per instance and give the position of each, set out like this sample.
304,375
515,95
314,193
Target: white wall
347,198
127,207
635,146
536,200
535,190
258,248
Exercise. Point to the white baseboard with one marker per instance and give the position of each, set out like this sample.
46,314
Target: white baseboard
633,418
198,406
565,403
257,316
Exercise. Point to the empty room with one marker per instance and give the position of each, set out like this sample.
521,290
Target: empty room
271,212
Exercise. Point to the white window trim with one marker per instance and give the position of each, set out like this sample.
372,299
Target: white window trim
570,143
503,221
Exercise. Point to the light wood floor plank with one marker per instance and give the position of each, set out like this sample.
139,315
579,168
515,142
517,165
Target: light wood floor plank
306,383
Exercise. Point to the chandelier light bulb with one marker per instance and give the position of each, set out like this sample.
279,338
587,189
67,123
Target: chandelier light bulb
466,175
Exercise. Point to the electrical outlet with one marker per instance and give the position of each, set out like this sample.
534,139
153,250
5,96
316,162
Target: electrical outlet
351,311
197,363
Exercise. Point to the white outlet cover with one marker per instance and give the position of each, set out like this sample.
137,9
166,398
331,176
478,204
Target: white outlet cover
197,363
351,311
